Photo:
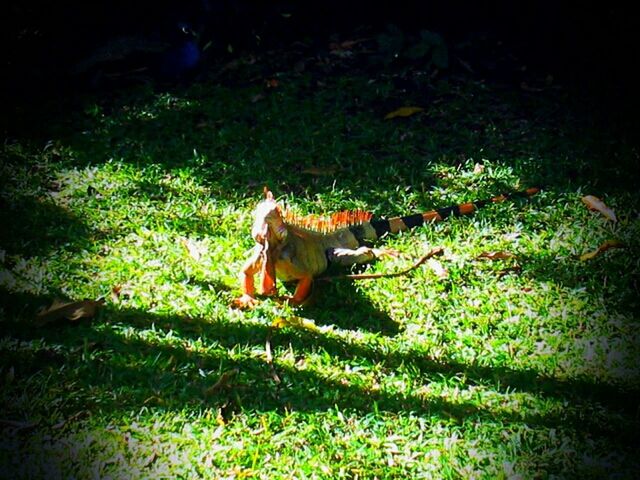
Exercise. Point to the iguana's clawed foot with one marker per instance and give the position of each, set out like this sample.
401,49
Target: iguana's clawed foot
245,302
290,300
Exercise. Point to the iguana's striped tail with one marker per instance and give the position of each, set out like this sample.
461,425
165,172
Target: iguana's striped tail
398,224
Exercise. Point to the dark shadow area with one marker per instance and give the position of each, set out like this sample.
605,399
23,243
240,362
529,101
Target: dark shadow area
108,370
339,303
36,226
617,291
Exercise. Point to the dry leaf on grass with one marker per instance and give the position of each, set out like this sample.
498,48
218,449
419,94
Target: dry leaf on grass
149,460
116,290
602,248
319,172
495,256
346,45
70,310
594,203
517,269
478,168
269,358
295,321
437,268
192,248
267,349
403,112
222,383
71,419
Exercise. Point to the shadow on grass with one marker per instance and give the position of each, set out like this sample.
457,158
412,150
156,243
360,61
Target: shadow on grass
341,304
101,366
610,275
32,226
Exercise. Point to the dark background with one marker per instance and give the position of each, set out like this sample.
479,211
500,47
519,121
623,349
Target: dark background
592,48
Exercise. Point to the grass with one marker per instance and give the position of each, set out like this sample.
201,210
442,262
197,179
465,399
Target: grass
525,367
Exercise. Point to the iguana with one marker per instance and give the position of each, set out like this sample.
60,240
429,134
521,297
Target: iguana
299,249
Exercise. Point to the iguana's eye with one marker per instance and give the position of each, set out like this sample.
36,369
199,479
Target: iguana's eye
260,235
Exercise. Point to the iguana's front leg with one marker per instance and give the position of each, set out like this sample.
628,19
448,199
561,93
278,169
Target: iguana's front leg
347,256
252,266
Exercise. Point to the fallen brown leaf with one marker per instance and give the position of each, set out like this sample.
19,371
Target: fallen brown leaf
594,203
602,248
70,310
267,349
269,358
403,112
294,321
319,172
495,255
517,269
347,44
437,268
116,290
478,168
69,420
222,383
149,460
192,249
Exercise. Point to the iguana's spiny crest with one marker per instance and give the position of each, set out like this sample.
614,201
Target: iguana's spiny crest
272,217
327,224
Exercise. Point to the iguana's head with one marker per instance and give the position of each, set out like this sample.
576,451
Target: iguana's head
269,230
268,225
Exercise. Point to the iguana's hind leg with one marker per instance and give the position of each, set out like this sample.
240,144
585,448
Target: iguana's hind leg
347,256
303,289
293,271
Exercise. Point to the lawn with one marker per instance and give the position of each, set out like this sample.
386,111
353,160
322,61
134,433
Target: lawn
524,364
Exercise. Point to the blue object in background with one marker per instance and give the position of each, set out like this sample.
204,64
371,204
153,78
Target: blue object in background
179,60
